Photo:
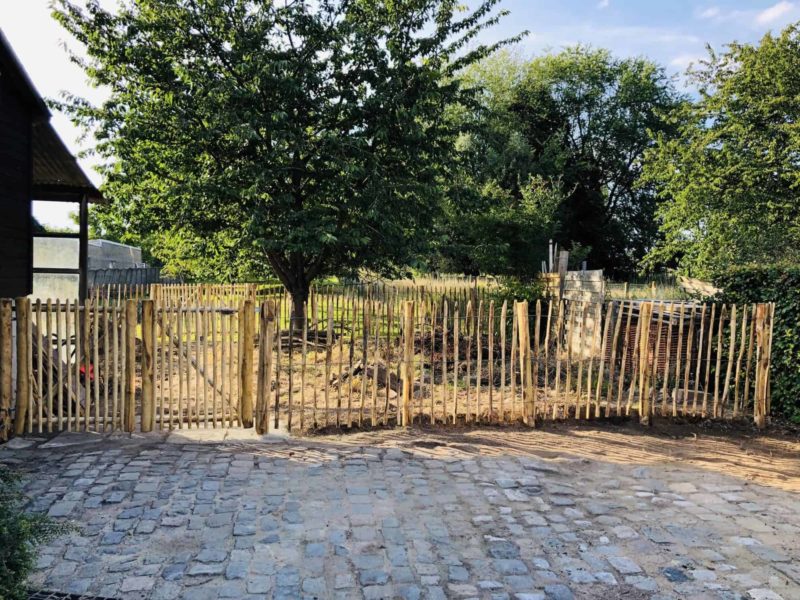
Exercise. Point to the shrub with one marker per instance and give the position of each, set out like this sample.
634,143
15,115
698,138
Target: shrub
20,533
779,284
512,288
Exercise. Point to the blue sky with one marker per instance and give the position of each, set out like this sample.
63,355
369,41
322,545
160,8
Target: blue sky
673,32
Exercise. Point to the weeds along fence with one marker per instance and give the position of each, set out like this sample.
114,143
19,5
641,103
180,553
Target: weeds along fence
663,290
360,361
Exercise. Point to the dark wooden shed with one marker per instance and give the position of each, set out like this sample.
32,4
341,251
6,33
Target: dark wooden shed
34,165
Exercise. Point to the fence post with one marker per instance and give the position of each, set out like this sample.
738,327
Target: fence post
563,265
24,369
645,319
408,361
763,343
148,371
5,368
265,365
247,318
524,339
129,419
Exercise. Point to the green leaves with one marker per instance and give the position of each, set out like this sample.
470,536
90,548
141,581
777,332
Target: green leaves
20,533
729,181
580,120
778,283
313,132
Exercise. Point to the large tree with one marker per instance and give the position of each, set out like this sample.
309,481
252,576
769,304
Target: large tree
499,211
579,120
730,181
310,132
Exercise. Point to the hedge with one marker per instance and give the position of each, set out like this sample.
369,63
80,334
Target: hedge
779,284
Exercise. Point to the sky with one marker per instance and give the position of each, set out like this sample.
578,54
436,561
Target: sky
672,32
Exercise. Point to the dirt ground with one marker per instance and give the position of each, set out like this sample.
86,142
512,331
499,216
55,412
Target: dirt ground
737,449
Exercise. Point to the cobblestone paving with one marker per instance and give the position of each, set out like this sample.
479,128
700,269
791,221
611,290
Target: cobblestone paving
316,519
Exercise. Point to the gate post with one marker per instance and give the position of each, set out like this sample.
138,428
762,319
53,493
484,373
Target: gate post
148,371
129,414
763,351
5,369
266,340
408,361
247,330
24,369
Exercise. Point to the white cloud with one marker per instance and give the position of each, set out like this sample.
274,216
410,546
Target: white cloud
775,16
604,4
709,13
774,12
684,61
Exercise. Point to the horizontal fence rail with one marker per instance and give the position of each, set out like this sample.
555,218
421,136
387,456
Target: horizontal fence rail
219,356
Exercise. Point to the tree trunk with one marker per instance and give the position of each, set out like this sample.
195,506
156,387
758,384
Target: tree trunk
296,276
299,295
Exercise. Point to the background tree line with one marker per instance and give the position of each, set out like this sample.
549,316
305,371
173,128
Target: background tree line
303,141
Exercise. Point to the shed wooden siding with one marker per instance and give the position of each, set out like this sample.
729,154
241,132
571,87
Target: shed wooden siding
579,286
16,245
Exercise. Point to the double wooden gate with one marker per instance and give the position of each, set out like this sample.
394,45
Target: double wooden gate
118,366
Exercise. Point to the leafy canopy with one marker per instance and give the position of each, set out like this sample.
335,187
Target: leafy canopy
579,121
497,214
308,133
729,181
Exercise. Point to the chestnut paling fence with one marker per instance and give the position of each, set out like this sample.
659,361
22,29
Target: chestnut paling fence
357,359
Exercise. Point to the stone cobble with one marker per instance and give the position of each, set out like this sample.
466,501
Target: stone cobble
299,520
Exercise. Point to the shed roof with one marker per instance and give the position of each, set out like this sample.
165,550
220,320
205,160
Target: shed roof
56,173
55,170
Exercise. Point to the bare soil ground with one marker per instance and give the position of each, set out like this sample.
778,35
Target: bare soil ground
737,449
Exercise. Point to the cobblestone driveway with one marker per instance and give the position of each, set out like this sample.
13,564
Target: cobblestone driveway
318,519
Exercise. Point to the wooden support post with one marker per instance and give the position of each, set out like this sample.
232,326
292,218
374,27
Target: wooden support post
5,368
526,375
24,368
408,361
645,356
247,315
265,365
762,365
148,370
455,363
129,420
563,265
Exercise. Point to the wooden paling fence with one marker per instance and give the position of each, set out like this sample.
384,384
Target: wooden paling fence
355,360
453,289
116,293
443,362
